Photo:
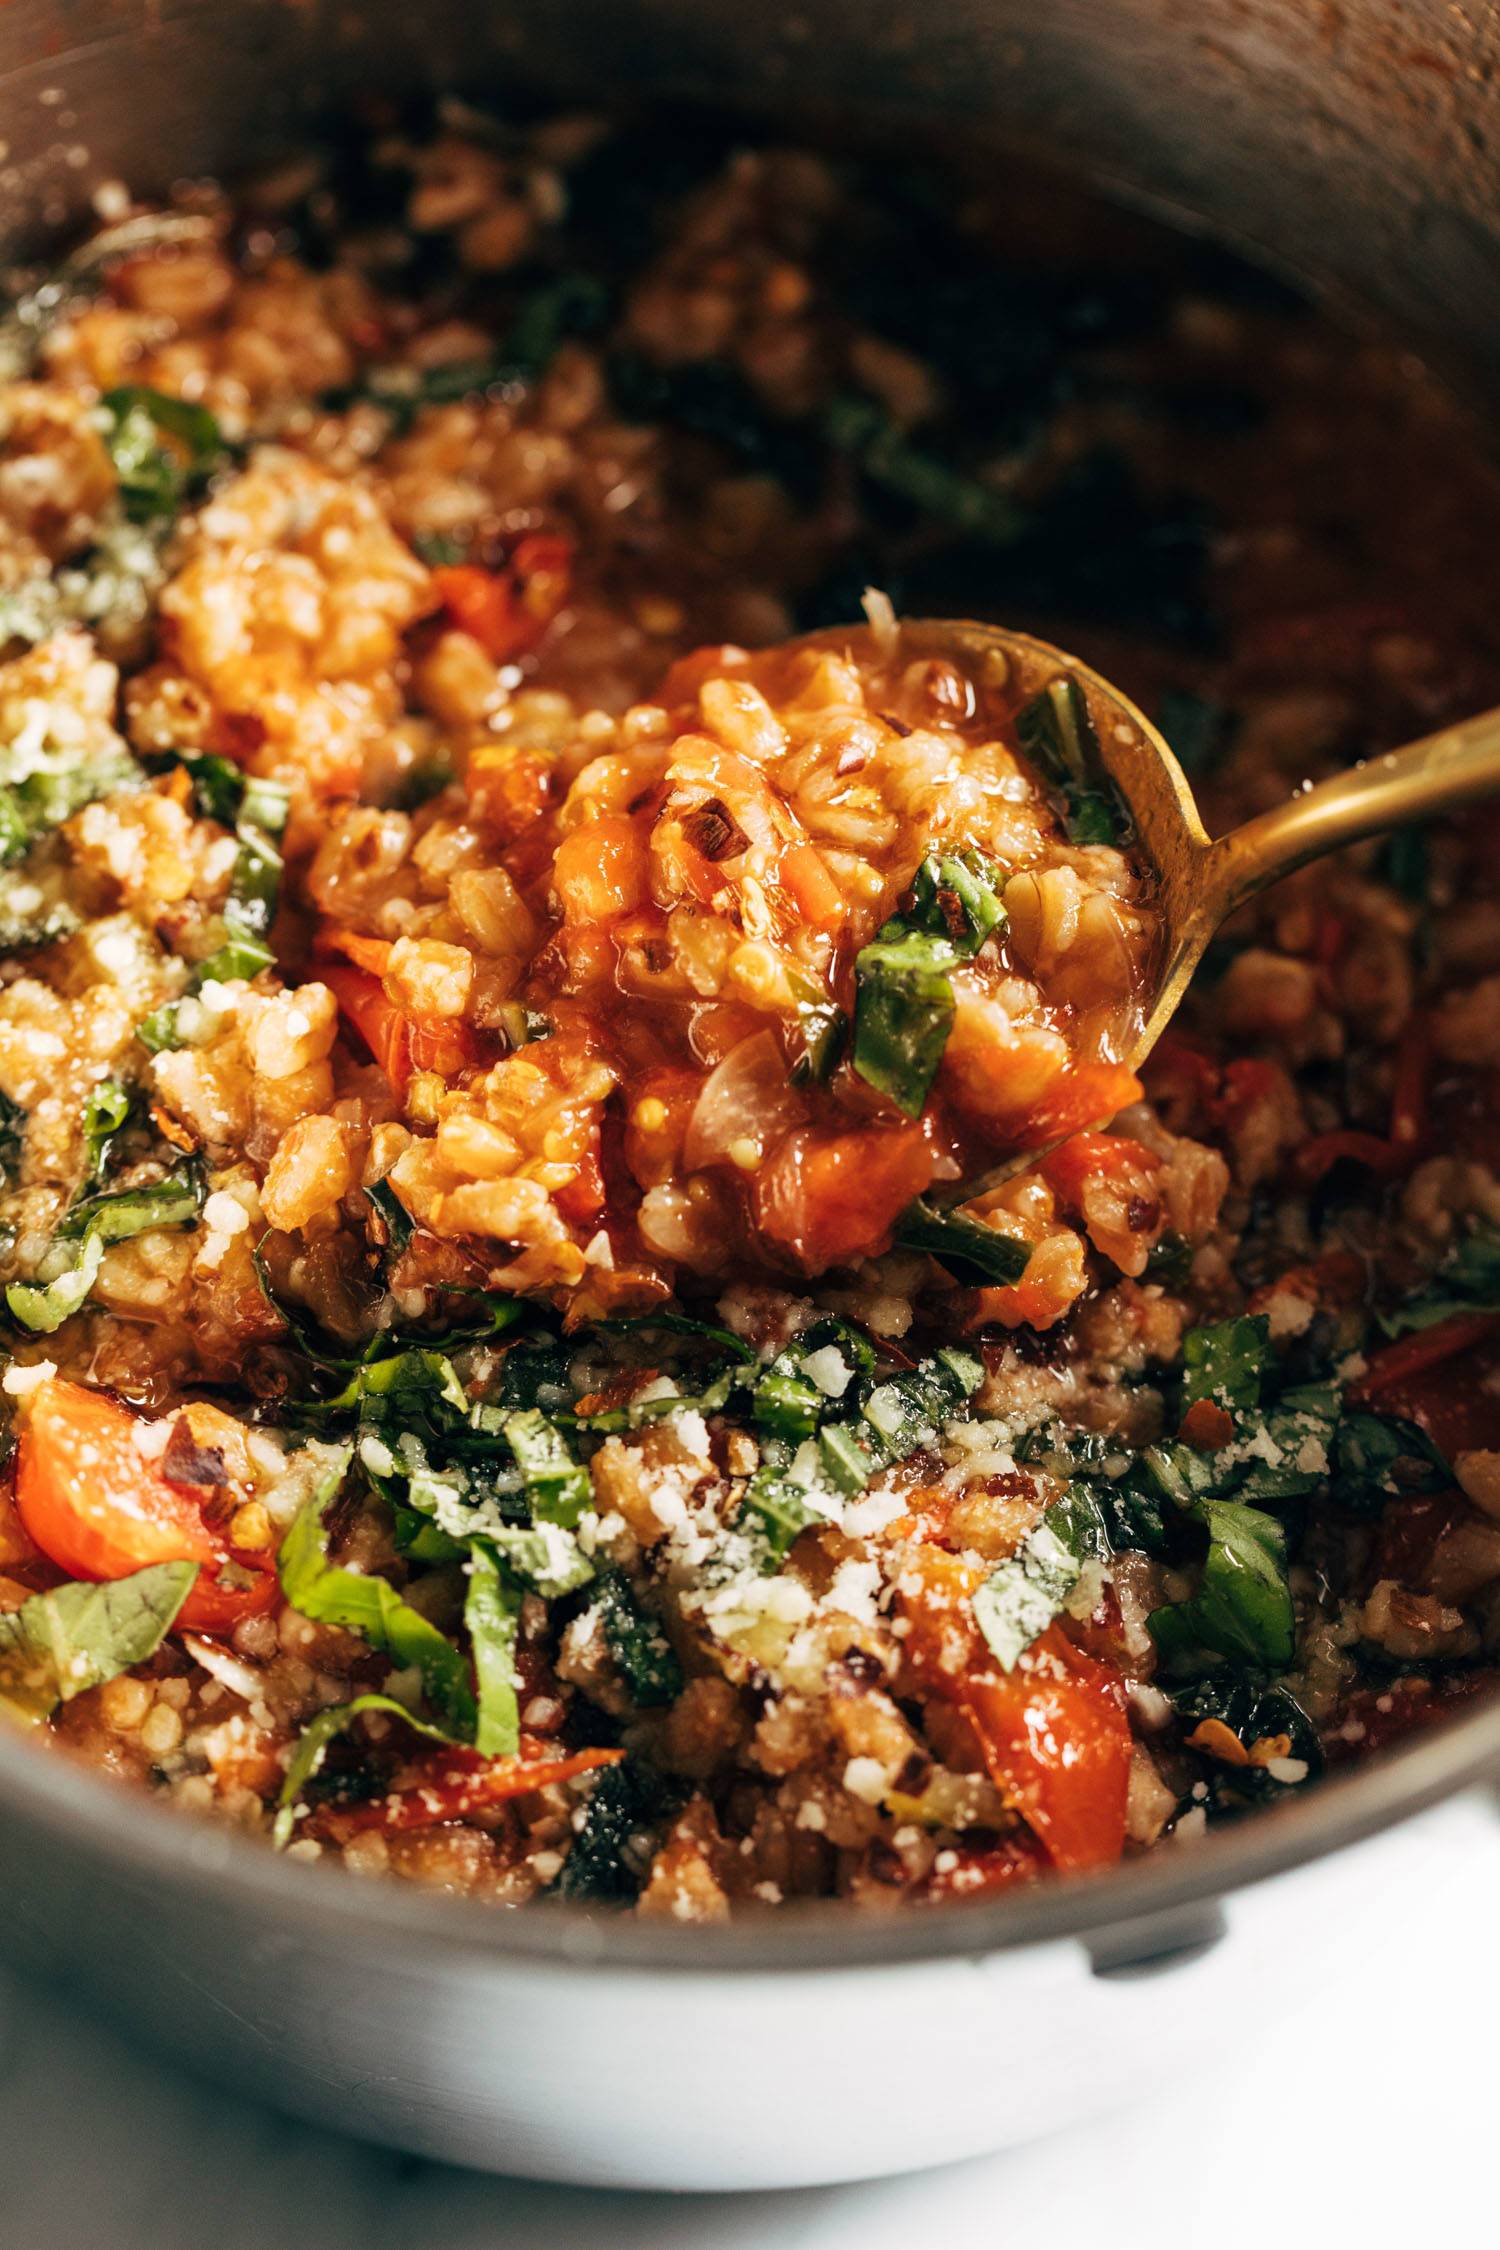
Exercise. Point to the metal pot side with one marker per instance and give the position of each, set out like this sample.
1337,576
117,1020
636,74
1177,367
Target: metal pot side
1358,148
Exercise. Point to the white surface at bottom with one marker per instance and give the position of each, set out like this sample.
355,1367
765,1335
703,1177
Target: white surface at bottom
1367,2114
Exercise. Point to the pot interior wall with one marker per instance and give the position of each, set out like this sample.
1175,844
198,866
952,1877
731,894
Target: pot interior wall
1357,146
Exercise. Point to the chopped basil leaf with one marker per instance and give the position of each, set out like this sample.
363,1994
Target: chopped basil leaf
903,1005
12,1140
163,449
643,1656
368,1605
78,1636
975,1254
547,1559
93,1223
1254,1713
105,1111
897,1417
557,1486
779,1511
492,1612
1079,1520
1226,1362
393,1216
785,1404
956,895
1020,1598
313,1747
127,1212
903,1012
822,1032
1056,731
610,1833
1379,1457
1243,1607
36,798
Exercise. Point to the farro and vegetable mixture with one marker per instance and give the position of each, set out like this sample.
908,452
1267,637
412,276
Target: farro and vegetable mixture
495,1388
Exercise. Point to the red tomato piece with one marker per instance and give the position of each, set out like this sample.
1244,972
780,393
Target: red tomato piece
830,1198
99,1508
508,611
1057,1744
1081,1097
399,1043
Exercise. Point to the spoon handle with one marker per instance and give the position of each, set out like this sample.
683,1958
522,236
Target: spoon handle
1437,774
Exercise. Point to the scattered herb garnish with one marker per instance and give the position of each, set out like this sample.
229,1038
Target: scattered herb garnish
93,1224
164,450
74,1637
975,1254
904,1000
1056,731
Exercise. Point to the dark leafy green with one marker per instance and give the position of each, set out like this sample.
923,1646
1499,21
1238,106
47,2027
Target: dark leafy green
975,1254
643,1656
1056,731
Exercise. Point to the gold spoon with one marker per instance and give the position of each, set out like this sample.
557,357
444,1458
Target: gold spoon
1202,879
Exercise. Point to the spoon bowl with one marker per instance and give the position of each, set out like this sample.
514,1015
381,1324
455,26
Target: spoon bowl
1199,879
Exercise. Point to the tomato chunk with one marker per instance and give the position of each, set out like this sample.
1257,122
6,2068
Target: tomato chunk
508,611
1085,1095
830,1198
1057,1743
401,1044
98,1507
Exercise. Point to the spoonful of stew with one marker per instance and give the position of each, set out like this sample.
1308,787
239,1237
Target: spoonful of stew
941,888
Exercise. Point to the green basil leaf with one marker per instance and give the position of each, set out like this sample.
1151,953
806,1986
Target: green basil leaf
980,1256
956,895
156,476
95,1222
492,1613
127,1212
1056,731
395,1219
1243,1607
625,1803
1225,1363
78,1636
1021,1597
105,1111
313,1746
778,1511
557,1486
42,1307
903,1013
1380,1457
1468,1281
859,427
370,1606
547,1559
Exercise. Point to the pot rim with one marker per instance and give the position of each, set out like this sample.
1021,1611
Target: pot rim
115,1832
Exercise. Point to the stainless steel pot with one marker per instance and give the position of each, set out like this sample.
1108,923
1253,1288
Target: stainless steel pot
1357,146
